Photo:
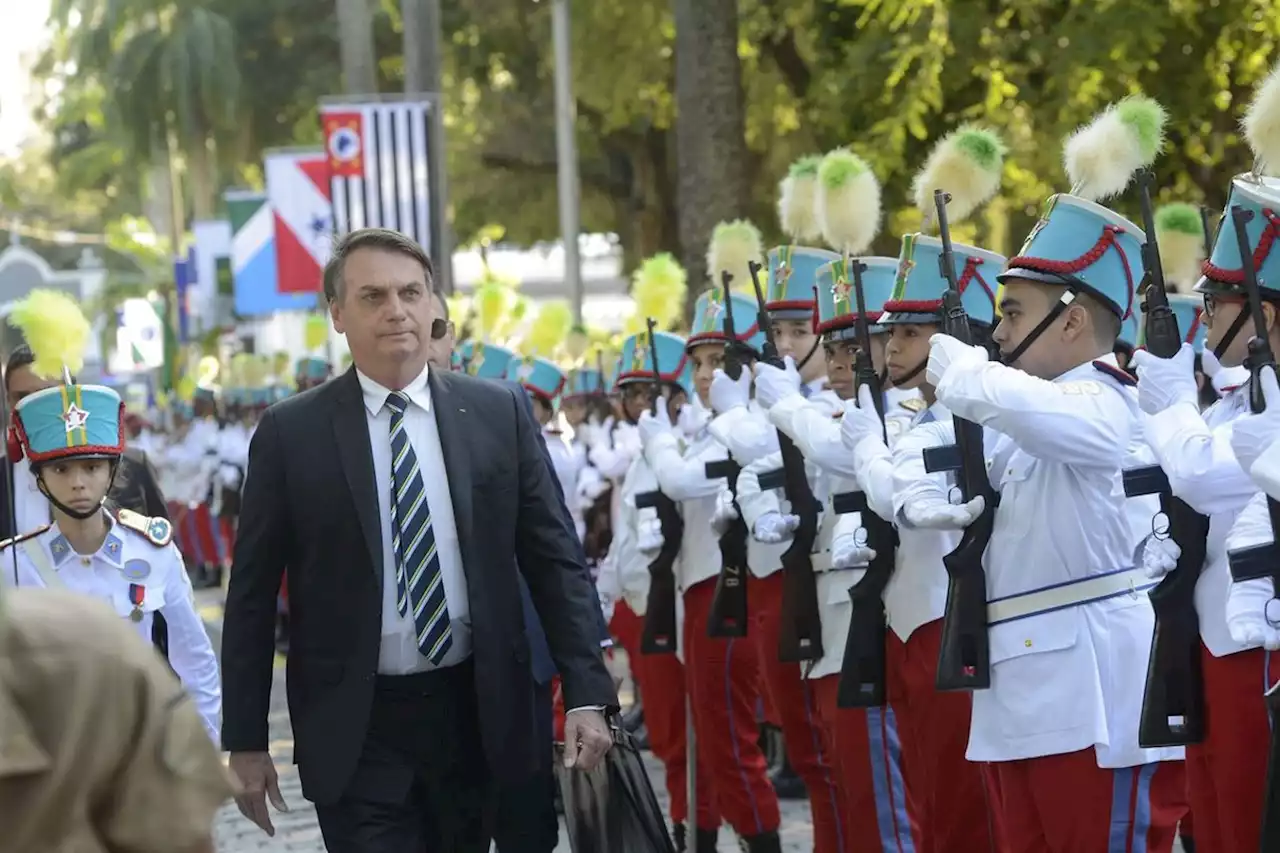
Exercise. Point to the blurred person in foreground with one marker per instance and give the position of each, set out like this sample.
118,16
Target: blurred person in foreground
101,749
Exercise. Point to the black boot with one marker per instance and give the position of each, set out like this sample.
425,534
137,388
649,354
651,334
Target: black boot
765,842
786,783
705,841
678,836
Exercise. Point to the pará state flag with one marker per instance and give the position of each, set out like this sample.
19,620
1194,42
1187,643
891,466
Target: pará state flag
298,191
253,258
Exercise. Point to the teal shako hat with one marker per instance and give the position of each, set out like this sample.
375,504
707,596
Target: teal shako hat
837,304
710,315
538,376
636,365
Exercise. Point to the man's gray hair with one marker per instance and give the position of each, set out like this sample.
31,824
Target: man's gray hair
371,238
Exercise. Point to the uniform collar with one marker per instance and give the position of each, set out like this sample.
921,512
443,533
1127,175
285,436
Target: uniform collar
111,552
375,395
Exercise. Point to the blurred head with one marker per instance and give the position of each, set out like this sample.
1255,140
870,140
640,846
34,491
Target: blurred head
707,358
542,410
574,410
20,380
637,398
378,285
906,349
1083,331
441,343
77,483
1220,313
798,339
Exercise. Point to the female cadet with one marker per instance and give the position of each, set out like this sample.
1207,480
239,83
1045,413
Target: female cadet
722,674
73,436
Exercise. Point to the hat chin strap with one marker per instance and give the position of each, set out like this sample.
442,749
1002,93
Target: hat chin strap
817,342
1232,331
80,515
1068,296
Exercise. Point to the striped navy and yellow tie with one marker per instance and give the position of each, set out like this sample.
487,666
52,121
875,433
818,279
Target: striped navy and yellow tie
419,583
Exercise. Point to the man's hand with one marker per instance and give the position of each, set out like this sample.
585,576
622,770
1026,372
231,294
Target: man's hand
773,384
259,783
586,738
729,393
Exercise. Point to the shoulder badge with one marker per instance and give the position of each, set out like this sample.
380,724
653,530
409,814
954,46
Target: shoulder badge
915,405
1115,373
159,531
23,537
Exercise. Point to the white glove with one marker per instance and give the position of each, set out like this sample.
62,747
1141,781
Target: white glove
775,527
1159,556
1222,378
1249,604
948,353
651,426
850,550
773,384
591,488
724,514
1253,434
606,606
648,534
936,515
860,420
690,420
727,394
1165,382
627,439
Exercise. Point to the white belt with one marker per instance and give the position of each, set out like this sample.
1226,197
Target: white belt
1069,594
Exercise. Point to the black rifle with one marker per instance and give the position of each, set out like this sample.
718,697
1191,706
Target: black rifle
1260,561
964,662
1210,233
1173,702
862,670
659,635
800,636
600,370
728,617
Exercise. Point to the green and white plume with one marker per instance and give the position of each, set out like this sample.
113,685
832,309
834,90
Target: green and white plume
1262,125
968,163
1180,235
1102,157
733,246
848,202
797,200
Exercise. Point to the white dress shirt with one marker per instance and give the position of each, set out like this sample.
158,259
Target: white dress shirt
399,653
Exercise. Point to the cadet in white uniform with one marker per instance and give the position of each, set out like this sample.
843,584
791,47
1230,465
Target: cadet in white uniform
73,438
1070,627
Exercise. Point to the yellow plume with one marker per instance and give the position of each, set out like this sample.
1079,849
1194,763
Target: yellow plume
207,371
575,345
548,331
186,389
281,364
316,332
492,303
237,370
256,371
56,330
658,289
734,245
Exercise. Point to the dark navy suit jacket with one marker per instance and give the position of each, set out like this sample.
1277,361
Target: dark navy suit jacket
544,669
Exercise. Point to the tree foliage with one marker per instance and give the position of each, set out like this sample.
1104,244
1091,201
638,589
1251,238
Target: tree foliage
886,77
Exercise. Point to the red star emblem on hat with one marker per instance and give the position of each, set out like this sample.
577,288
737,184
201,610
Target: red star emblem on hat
75,417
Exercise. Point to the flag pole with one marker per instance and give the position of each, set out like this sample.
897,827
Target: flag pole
567,153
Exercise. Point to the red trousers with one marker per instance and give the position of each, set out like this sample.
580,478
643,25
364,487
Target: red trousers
198,536
1226,775
1068,804
946,790
661,679
879,814
723,679
795,710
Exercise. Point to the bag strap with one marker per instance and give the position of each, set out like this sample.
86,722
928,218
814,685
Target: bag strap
43,564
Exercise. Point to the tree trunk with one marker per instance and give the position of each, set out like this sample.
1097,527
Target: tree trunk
355,41
202,180
711,147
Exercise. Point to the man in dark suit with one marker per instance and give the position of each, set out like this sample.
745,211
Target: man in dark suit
402,501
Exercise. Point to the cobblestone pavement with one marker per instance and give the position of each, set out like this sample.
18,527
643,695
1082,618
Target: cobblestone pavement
297,832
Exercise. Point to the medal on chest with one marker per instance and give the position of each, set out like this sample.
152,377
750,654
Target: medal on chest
137,594
136,571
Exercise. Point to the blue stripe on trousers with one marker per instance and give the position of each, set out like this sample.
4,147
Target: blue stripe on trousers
1129,835
886,776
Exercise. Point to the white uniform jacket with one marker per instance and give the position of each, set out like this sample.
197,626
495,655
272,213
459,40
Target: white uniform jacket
1195,452
1064,677
682,476
131,572
747,433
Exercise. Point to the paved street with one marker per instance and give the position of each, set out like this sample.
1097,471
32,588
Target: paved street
296,831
